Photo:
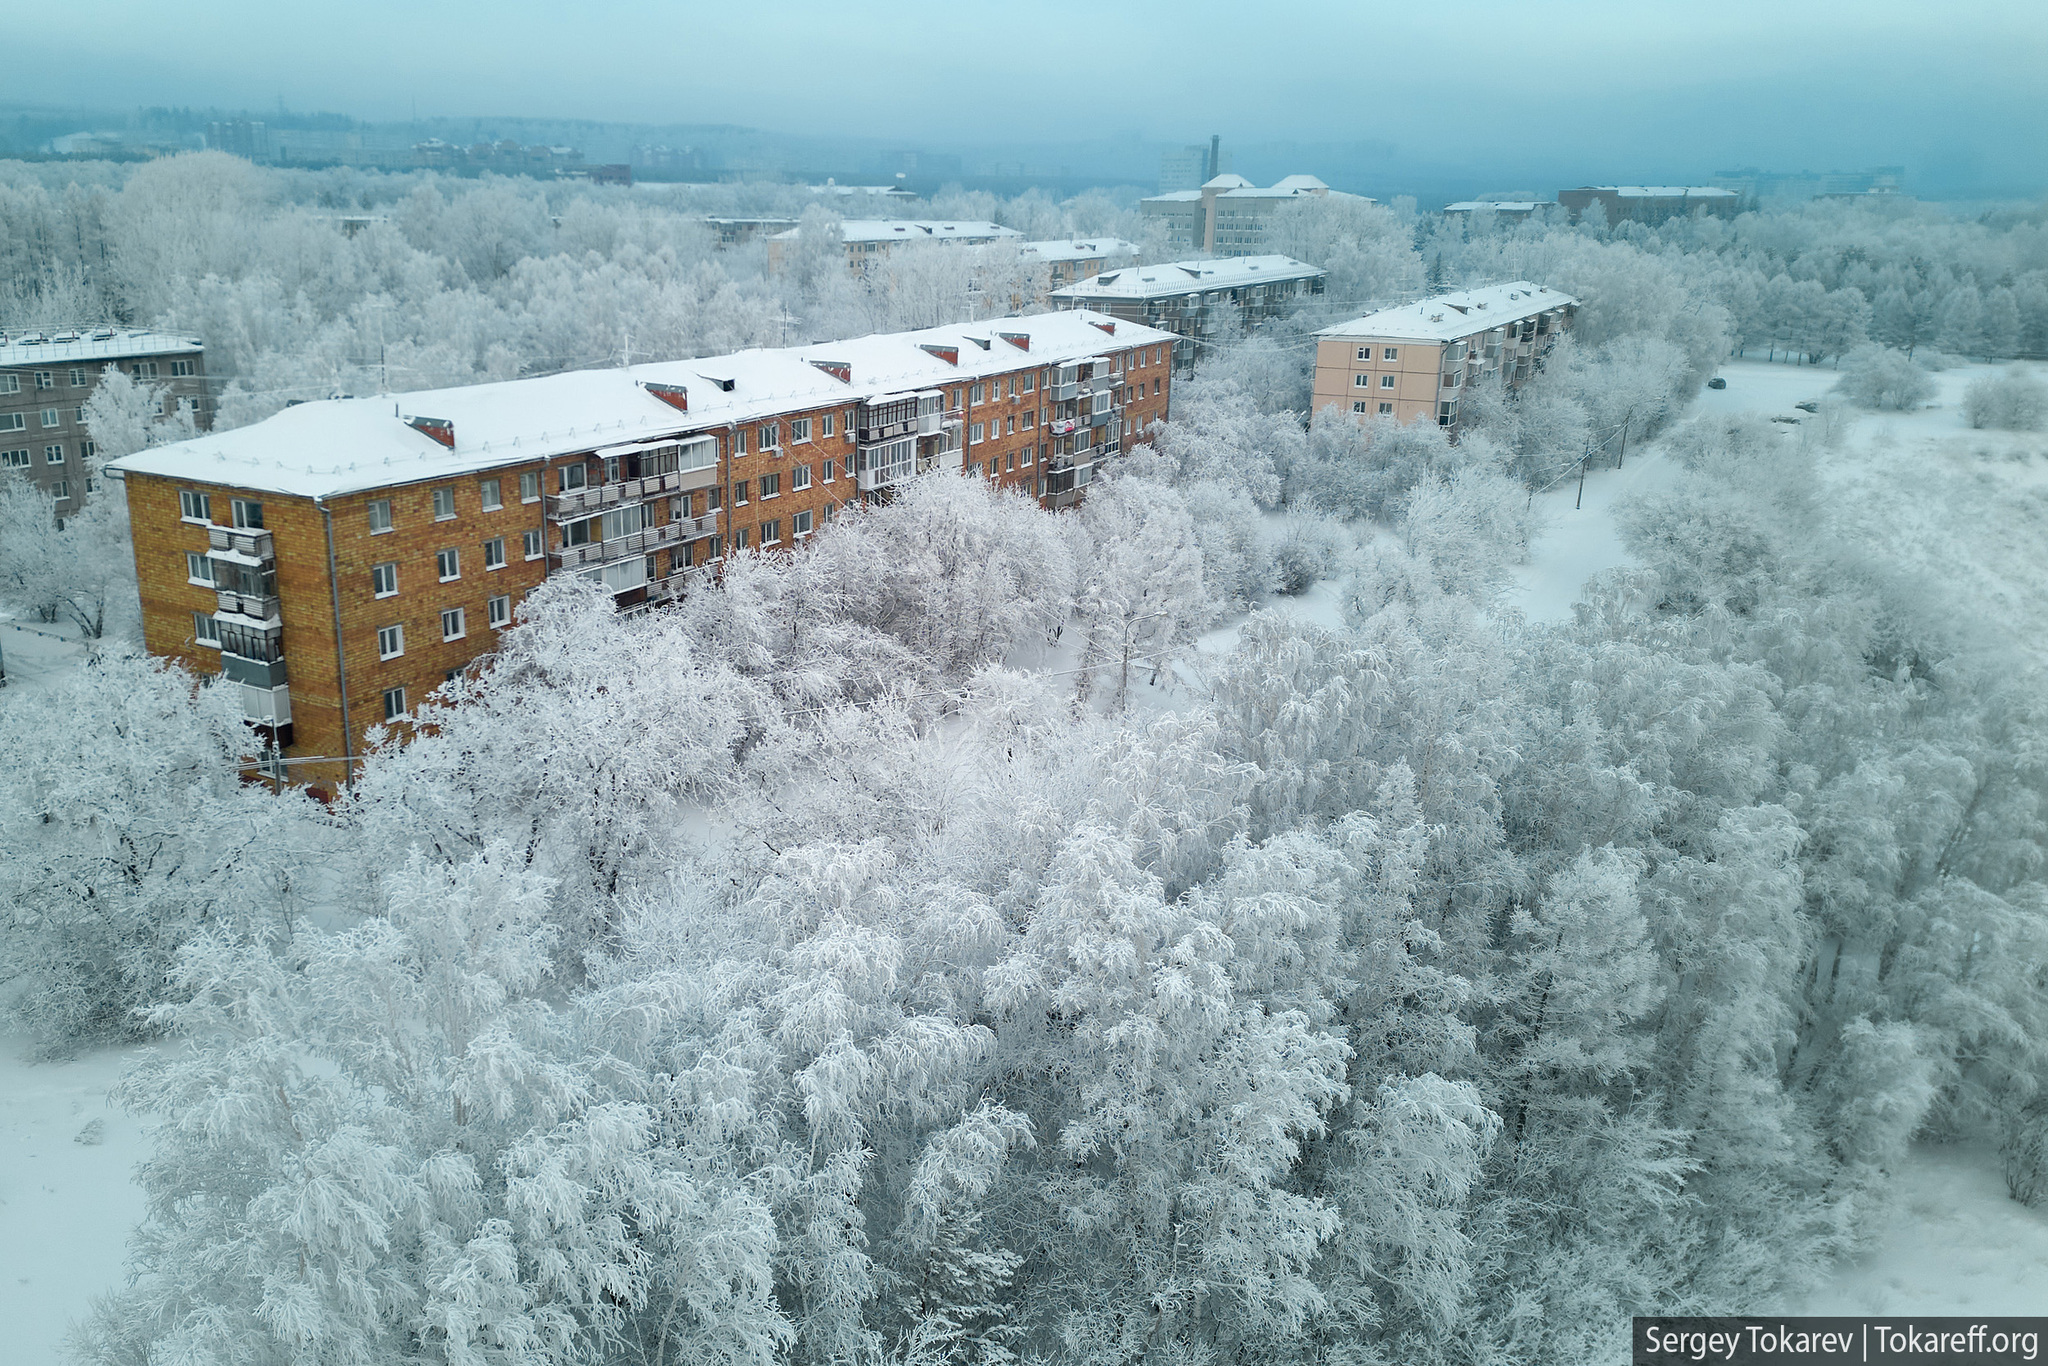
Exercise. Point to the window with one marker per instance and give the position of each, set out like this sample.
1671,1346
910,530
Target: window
827,475
974,435
771,436
499,612
54,454
493,498
1361,381
78,378
1155,388
384,578
739,493
13,422
248,513
10,384
1030,418
1358,406
801,523
574,477
88,449
739,539
739,443
60,489
1030,381
448,563
1391,353
825,425
390,642
494,553
529,486
44,380
800,477
533,545
711,496
799,430
193,507
144,369
198,569
50,417
14,460
380,515
846,426
1386,409
1012,462
771,486
974,394
394,703
1027,454
1386,381
444,504
181,369
1365,353
205,630
771,532
452,625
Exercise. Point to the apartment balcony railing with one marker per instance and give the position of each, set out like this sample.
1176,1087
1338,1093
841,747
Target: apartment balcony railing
599,497
257,610
1101,417
696,528
244,546
1067,392
257,673
619,547
1063,426
1453,380
680,582
882,476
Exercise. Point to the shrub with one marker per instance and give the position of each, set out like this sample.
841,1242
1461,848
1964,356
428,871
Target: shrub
2015,401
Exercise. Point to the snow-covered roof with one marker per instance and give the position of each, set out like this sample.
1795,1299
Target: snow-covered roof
847,191
339,446
103,343
1226,181
1497,205
1079,249
1237,187
1665,191
1448,317
916,230
1186,277
1295,184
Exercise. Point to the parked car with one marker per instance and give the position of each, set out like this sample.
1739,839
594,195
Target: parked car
1717,383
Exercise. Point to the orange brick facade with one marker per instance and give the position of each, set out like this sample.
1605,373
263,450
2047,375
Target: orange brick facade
365,585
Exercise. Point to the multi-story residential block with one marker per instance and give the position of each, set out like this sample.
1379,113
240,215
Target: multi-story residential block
733,232
1649,203
1073,259
1228,215
868,239
46,378
1192,298
1413,363
342,559
1514,209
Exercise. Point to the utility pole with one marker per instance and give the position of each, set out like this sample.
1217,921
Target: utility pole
1580,501
1624,440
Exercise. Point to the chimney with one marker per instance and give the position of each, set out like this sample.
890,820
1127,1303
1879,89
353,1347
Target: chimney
1215,155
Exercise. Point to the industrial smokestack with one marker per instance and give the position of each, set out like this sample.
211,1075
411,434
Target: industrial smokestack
1215,155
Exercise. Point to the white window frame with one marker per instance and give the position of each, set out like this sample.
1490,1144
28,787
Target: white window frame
448,559
529,486
799,478
198,569
494,554
498,611
393,712
1386,381
205,630
460,619
444,504
490,494
800,524
52,417
391,641
384,579
535,544
1391,353
799,430
378,510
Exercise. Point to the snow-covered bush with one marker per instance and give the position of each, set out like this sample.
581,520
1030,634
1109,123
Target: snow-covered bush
1881,378
1307,550
2016,401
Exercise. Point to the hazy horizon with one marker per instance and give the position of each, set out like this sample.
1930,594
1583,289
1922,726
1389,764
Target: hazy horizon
1594,90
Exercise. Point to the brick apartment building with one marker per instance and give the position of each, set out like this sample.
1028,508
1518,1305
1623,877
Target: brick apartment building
1228,215
1649,203
340,560
45,380
869,239
1191,299
1414,362
1070,260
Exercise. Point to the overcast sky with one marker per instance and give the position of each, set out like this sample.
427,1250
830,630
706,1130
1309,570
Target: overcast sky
1667,85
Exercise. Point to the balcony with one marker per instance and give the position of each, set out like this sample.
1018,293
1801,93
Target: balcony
1066,392
239,546
620,547
694,528
256,610
601,497
1101,417
256,673
881,477
679,583
1064,426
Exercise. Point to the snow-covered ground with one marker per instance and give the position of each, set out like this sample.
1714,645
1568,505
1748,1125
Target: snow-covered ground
1954,1244
65,1206
33,653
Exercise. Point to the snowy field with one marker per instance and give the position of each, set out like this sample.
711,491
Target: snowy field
1970,508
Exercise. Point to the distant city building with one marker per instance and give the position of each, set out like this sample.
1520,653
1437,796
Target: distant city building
1228,215
240,137
1649,203
618,173
1516,209
865,195
1191,298
1187,168
1779,186
1413,363
868,239
505,157
338,561
45,380
661,162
